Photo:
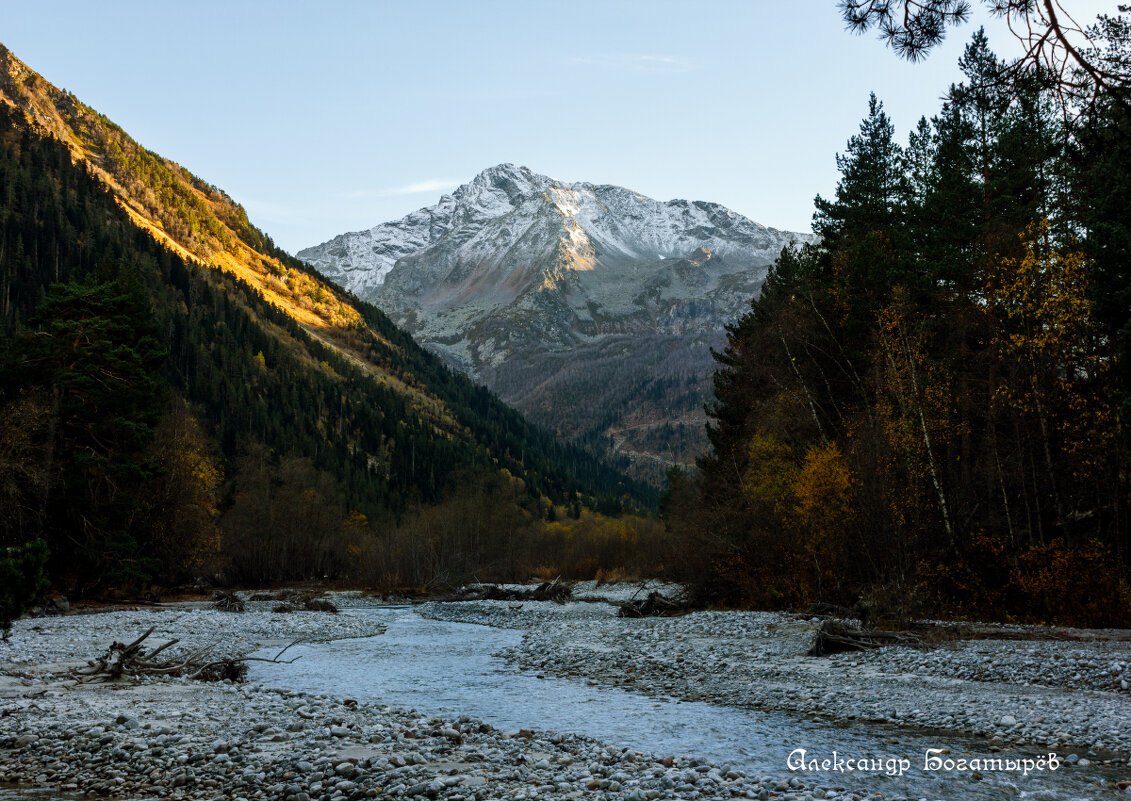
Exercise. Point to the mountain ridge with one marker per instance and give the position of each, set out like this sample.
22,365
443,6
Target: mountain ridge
513,267
501,190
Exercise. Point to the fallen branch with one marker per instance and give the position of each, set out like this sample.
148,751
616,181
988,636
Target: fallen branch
289,647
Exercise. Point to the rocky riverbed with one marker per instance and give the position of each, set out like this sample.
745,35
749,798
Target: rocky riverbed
176,740
180,739
1070,696
173,738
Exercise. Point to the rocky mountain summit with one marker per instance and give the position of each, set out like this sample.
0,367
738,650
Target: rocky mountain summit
592,308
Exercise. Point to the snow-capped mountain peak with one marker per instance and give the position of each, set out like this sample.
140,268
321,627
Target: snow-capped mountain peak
514,274
499,189
612,221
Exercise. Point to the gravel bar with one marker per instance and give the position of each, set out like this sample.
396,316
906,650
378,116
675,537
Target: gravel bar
1066,695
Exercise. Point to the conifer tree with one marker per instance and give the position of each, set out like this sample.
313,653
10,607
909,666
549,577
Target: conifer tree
862,229
1102,162
22,580
95,351
871,187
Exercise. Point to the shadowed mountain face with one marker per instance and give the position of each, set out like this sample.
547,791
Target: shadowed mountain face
591,308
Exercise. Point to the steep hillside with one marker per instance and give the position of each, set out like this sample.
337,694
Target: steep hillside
591,308
272,353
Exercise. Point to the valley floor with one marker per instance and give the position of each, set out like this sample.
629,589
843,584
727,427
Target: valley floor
178,739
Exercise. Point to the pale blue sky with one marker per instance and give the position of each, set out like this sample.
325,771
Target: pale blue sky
334,116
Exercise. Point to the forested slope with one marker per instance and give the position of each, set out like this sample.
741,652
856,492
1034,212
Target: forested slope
928,411
157,348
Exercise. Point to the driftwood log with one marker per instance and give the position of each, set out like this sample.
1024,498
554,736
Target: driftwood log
134,661
655,605
834,637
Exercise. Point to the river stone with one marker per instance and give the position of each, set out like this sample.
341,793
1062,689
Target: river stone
360,753
1008,720
452,735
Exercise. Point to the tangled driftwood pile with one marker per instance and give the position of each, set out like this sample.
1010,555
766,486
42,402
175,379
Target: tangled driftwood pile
228,602
655,605
834,637
134,661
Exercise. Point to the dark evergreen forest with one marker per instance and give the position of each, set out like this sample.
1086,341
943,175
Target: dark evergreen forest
928,412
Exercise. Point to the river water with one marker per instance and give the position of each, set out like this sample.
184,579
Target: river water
448,669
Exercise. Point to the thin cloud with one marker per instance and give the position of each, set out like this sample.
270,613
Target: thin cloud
418,188
657,65
434,185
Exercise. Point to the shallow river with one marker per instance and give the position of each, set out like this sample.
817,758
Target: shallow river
449,669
